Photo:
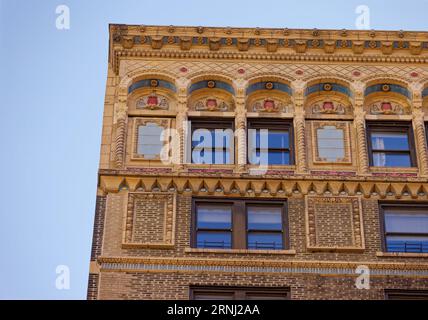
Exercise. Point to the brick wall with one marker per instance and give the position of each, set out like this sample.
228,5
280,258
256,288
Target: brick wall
98,227
171,286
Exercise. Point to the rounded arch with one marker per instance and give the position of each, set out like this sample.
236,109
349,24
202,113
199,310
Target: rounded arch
269,94
328,96
387,95
211,76
137,75
384,77
211,92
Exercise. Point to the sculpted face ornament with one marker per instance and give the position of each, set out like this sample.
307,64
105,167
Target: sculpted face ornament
386,108
328,107
270,105
212,104
153,102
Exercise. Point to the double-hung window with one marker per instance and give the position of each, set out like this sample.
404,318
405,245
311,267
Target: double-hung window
405,228
231,293
391,144
212,141
270,142
239,224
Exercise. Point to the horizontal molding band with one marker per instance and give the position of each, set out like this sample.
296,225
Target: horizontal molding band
230,269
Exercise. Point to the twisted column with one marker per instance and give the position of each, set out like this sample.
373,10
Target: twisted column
421,144
301,160
120,121
241,140
363,163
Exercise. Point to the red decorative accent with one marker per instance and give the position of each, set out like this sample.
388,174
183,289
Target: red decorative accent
183,69
152,101
386,106
241,71
414,74
211,103
356,73
299,72
269,105
328,105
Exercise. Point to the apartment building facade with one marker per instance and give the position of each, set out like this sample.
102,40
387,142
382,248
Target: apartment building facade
247,163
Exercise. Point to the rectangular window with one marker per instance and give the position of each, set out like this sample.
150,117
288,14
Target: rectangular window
150,140
270,142
406,294
391,144
405,228
225,293
240,224
212,142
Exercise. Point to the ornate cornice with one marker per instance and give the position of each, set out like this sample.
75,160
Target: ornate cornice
267,44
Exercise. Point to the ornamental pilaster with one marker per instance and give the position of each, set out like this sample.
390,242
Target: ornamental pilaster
181,122
120,123
360,127
241,123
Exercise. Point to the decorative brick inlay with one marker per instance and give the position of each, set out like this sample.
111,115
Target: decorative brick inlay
150,220
211,171
97,237
334,223
333,173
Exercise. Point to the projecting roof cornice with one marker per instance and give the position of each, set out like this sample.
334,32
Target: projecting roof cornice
267,44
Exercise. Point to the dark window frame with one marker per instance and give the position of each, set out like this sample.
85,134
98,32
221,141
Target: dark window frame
240,293
209,123
397,294
240,220
275,124
395,205
392,126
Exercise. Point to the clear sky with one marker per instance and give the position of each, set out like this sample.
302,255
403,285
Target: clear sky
52,90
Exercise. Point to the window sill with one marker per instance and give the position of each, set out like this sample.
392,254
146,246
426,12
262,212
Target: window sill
401,255
241,251
394,169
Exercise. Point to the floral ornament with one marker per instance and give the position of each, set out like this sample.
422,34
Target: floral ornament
386,108
212,104
328,107
153,102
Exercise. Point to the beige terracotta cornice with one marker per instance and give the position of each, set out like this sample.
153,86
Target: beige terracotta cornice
267,44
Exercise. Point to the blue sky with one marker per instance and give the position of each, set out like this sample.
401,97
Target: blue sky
52,90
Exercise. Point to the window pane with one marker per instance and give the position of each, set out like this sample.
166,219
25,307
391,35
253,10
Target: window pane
212,146
407,244
265,241
214,217
264,218
398,222
278,139
219,240
149,140
279,157
390,141
331,143
381,159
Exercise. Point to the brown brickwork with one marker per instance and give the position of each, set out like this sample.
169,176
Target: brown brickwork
98,227
93,283
170,286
